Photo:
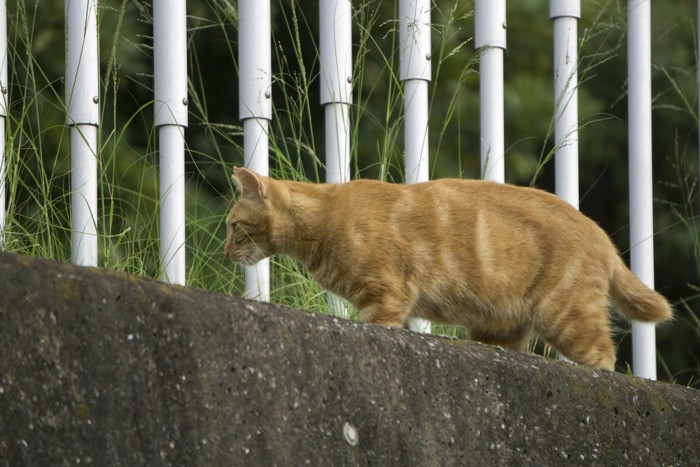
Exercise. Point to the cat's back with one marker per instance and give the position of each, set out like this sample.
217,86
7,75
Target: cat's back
461,206
475,192
464,201
517,203
365,195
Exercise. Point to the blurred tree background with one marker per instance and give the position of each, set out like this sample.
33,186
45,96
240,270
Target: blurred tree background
39,162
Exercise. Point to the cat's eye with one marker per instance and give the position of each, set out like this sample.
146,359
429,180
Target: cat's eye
240,230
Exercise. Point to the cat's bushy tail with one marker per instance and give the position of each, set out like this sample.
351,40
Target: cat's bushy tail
635,300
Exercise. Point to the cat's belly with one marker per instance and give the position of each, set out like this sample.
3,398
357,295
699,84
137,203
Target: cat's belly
469,310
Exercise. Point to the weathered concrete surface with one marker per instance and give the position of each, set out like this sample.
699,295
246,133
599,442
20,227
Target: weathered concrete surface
101,368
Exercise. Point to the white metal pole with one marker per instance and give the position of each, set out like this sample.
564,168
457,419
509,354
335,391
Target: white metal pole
171,158
416,130
565,15
337,126
83,140
335,19
255,88
82,96
640,175
3,114
256,158
3,203
415,71
170,73
490,40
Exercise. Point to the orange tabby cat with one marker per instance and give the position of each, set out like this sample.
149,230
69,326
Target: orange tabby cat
499,259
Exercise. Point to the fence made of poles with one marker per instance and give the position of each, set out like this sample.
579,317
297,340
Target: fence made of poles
82,99
3,115
255,94
415,72
640,175
170,112
490,41
335,37
82,96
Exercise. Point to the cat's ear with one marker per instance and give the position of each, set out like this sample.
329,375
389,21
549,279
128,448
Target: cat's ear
250,184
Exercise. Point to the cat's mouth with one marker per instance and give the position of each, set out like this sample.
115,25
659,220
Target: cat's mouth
246,261
246,258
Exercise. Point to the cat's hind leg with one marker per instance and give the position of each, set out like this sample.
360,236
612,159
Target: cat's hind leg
582,333
513,338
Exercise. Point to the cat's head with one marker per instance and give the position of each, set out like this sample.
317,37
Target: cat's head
250,223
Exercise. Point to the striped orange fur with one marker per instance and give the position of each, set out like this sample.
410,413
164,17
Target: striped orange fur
499,259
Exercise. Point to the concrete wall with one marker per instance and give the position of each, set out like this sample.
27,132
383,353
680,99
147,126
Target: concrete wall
102,368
